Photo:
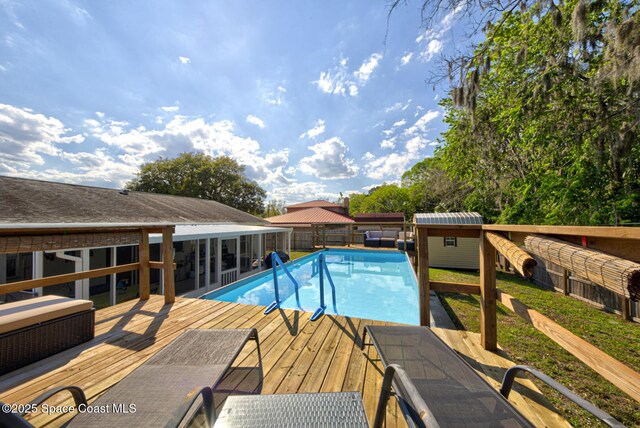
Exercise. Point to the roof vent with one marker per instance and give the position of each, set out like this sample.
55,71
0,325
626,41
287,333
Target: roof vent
124,192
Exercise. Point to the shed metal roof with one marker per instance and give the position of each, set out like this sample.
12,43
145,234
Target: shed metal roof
448,218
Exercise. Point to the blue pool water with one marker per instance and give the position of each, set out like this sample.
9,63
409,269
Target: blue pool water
378,285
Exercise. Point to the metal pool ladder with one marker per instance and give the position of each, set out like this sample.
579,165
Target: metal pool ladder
322,270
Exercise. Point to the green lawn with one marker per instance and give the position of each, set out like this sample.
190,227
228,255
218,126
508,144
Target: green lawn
297,254
526,345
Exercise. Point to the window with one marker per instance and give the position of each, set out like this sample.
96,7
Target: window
450,242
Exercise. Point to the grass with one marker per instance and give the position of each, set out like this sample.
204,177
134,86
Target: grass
297,254
526,345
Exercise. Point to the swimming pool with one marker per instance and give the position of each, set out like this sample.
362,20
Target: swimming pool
377,285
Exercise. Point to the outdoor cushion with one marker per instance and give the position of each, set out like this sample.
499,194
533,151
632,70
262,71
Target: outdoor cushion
24,313
373,234
389,234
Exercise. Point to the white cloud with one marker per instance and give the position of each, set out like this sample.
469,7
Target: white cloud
339,81
400,123
388,144
100,114
398,106
271,93
254,120
367,68
184,59
433,48
433,36
25,136
329,161
312,133
406,58
422,122
393,165
170,109
296,192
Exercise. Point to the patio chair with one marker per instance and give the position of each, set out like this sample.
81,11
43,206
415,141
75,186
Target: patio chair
163,390
435,387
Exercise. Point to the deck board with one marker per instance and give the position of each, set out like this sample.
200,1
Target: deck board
298,356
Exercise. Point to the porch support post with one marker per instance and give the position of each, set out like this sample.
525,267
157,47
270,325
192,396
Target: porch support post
112,277
207,264
145,277
37,269
167,263
488,323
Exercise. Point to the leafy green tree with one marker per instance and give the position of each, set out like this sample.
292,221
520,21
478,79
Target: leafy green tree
387,198
543,126
198,175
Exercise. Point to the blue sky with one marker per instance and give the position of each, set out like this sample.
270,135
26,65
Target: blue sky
306,95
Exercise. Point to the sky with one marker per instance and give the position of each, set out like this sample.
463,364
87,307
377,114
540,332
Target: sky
305,94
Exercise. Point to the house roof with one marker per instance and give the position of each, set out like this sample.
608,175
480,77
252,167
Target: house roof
448,218
310,216
313,204
188,232
379,217
26,201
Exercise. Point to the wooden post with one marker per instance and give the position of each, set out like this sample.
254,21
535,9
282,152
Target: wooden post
423,276
350,235
565,282
167,261
488,324
626,308
324,236
145,279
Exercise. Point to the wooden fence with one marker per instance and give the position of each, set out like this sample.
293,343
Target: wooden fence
617,241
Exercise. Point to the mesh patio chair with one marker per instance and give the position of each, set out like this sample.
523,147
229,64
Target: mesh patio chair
435,387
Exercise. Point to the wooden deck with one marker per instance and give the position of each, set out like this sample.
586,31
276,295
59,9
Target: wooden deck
298,356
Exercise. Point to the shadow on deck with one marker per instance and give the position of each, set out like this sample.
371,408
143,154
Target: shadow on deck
298,356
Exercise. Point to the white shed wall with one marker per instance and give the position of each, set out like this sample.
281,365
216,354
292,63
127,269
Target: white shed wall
464,256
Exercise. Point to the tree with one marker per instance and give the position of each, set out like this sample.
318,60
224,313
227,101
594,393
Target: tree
198,175
387,198
273,208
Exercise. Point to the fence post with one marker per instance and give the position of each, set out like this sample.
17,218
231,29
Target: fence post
423,276
565,282
626,308
488,323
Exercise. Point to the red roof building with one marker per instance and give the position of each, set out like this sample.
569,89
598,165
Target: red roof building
308,216
330,206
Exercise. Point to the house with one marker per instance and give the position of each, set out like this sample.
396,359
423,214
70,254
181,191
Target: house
318,203
304,216
214,244
451,252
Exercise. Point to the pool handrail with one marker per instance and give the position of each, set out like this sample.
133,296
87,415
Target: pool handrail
323,268
275,261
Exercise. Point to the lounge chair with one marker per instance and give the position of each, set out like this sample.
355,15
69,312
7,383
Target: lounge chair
435,387
163,390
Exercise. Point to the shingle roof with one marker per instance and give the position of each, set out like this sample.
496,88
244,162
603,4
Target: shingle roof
310,216
448,218
312,204
34,201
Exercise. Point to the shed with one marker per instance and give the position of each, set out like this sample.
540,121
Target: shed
452,252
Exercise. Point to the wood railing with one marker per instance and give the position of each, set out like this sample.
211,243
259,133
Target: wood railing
20,239
621,242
